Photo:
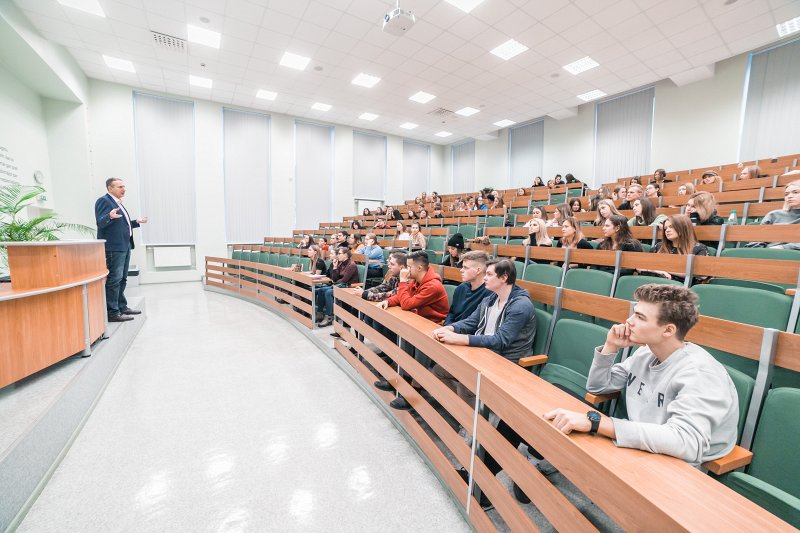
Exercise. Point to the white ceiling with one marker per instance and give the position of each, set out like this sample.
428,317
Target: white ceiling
636,42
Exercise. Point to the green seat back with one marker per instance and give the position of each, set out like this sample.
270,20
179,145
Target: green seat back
543,319
495,222
765,309
558,198
436,244
497,240
237,254
627,285
519,266
386,253
592,281
362,272
517,242
450,289
744,389
283,261
467,231
762,253
760,285
646,247
273,259
305,264
519,210
545,274
571,354
574,193
263,258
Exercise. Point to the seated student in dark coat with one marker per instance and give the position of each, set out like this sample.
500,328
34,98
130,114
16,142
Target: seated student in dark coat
618,237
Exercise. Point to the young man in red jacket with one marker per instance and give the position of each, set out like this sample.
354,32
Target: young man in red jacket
420,291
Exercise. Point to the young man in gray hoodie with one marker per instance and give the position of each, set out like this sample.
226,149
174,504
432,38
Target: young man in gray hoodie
680,400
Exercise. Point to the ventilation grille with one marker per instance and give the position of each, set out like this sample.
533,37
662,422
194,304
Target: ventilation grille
442,113
168,42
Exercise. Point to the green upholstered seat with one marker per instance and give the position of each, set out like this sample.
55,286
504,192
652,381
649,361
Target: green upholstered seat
571,354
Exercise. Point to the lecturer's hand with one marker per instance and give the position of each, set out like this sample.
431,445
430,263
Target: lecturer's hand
114,213
142,220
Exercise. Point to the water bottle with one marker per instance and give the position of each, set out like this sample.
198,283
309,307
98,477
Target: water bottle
732,218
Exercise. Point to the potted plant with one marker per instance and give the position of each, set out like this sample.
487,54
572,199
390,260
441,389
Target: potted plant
14,199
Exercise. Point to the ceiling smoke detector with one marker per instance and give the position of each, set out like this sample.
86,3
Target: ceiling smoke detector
168,42
398,21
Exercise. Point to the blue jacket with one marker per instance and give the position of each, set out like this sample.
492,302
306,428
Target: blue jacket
113,230
516,327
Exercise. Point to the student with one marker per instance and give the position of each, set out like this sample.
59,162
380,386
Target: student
790,214
680,401
635,192
575,206
569,178
387,289
355,243
365,212
619,193
537,233
410,214
677,238
416,239
539,212
604,210
356,226
420,291
374,255
379,224
480,204
572,236
401,234
652,191
323,244
702,209
317,264
437,211
562,211
709,177
644,214
455,247
750,173
343,273
618,237
687,189
423,214
660,175
521,191
537,182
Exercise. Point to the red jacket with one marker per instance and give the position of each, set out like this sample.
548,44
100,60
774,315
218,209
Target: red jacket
428,299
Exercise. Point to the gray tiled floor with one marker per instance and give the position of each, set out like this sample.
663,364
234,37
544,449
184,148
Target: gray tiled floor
223,417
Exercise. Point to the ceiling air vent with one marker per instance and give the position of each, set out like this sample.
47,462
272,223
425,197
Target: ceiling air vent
168,42
441,113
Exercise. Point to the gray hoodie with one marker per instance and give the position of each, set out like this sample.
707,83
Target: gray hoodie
516,327
686,406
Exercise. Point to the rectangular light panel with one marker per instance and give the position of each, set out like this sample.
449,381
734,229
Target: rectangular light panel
581,65
408,125
87,6
465,5
199,81
422,97
294,61
504,123
444,134
509,49
368,116
591,95
319,106
119,64
365,80
199,35
789,27
467,111
266,95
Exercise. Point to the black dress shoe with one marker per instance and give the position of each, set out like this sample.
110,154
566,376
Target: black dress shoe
519,495
400,403
384,385
129,311
120,318
336,335
486,505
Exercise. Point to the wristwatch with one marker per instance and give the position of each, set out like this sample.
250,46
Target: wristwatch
594,418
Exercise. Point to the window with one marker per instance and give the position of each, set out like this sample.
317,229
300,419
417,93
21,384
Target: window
416,168
772,104
369,165
623,136
525,153
313,175
164,136
246,164
464,167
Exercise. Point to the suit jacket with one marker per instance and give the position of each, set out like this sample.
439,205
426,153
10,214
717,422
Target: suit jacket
113,230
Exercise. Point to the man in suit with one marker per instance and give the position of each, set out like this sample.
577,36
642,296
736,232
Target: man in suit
115,225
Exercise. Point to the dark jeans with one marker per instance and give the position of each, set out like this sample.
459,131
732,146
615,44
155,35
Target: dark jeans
117,264
324,297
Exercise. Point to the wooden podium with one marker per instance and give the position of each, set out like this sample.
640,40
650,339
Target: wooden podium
55,306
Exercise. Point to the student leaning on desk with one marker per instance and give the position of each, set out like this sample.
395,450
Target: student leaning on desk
680,400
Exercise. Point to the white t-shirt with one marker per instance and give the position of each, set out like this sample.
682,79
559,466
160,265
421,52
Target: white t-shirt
492,316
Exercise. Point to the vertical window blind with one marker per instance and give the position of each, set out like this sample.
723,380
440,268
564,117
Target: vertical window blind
246,160
623,136
464,167
526,152
369,166
416,168
164,137
313,174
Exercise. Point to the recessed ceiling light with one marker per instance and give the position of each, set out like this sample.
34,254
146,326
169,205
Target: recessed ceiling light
509,49
368,116
408,125
119,64
788,27
365,80
465,5
266,95
504,123
422,97
199,81
203,36
444,134
87,6
319,106
467,111
294,61
591,95
581,65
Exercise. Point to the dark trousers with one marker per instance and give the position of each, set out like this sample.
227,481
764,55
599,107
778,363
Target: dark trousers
117,264
324,297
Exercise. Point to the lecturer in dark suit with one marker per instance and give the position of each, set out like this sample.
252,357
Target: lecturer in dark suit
115,225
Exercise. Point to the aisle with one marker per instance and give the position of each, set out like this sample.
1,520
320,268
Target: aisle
223,417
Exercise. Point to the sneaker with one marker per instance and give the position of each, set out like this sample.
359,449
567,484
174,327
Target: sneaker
384,385
486,505
546,469
464,434
400,403
519,495
327,321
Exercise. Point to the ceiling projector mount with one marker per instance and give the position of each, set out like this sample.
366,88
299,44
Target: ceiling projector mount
398,21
